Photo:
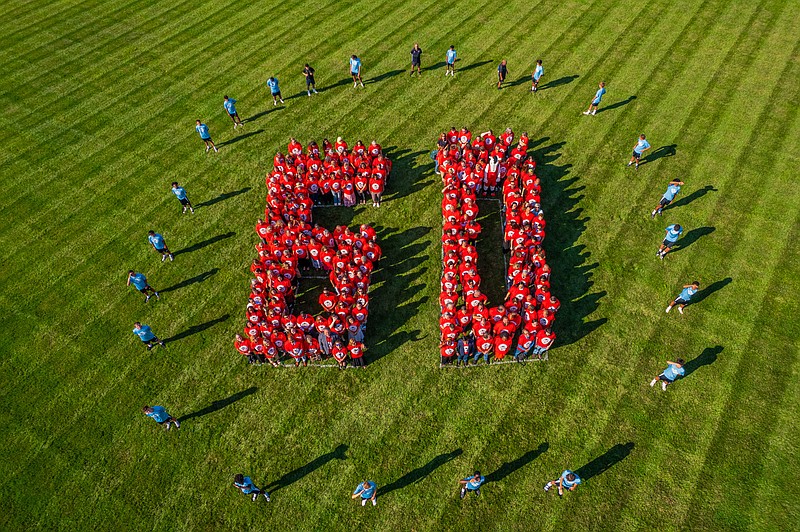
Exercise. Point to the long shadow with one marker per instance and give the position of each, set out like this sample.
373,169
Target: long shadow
204,243
241,137
344,81
474,65
714,287
222,197
558,82
659,153
264,113
435,66
385,75
418,474
407,175
617,105
520,81
190,281
697,194
219,405
605,462
693,236
509,467
706,358
194,329
293,476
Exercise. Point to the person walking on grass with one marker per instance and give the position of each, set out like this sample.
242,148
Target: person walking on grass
146,335
672,190
502,72
275,90
180,193
139,281
160,415
355,70
205,136
230,106
567,480
674,232
685,296
158,243
311,84
416,60
450,61
537,75
472,484
246,486
368,491
670,374
639,148
592,110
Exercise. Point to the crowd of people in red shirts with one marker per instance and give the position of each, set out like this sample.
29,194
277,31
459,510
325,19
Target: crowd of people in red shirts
496,166
290,242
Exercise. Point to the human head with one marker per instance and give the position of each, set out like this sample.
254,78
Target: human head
477,474
225,97
571,477
641,136
602,83
147,409
538,61
198,121
452,47
503,62
238,478
353,56
677,227
680,362
174,184
137,325
696,284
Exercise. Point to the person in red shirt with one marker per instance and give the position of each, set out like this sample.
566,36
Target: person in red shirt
376,184
244,348
327,300
356,351
484,347
544,341
448,351
294,346
339,354
502,345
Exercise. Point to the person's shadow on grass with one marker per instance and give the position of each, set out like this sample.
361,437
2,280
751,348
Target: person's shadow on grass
220,404
204,243
190,281
606,461
194,329
222,197
558,82
476,64
339,83
713,287
293,476
509,467
617,105
264,113
243,136
706,358
385,75
697,194
693,236
659,153
416,475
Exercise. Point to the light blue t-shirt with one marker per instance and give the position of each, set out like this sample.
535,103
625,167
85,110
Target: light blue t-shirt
687,293
246,486
157,240
450,57
272,83
229,105
366,489
159,414
673,372
569,484
538,72
355,65
179,192
139,281
599,95
202,129
144,333
641,145
673,233
473,484
671,192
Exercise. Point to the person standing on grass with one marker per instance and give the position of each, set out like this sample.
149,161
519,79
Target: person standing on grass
355,70
450,61
275,90
592,110
180,193
246,486
567,480
472,484
502,72
672,190
311,84
685,296
160,415
670,374
639,148
205,136
230,106
368,491
158,243
465,348
139,281
416,60
674,232
544,341
537,75
146,335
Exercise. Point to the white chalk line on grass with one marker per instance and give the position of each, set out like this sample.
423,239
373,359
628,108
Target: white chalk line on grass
496,363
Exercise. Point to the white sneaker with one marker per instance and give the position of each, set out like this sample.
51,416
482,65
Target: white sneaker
663,386
586,112
355,85
281,100
315,91
680,309
374,502
653,382
363,502
668,309
274,102
309,93
216,150
362,83
207,148
594,113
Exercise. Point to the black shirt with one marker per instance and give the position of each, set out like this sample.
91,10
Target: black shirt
416,53
308,71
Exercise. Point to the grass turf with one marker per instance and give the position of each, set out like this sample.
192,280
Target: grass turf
99,101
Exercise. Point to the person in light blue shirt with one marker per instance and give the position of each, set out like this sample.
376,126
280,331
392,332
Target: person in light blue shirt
672,190
450,61
674,232
246,486
139,281
685,296
639,148
160,415
568,480
205,135
272,83
146,335
355,70
158,243
230,107
180,193
472,484
668,376
368,491
537,75
592,110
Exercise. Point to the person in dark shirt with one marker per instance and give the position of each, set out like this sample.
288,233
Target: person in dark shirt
416,60
311,84
502,72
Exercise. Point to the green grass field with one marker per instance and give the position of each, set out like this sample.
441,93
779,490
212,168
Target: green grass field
99,101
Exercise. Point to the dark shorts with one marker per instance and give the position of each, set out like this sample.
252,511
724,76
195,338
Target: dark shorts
151,340
163,250
502,77
207,140
679,301
310,81
145,289
637,155
233,115
664,202
184,201
665,379
278,94
416,63
669,244
450,64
